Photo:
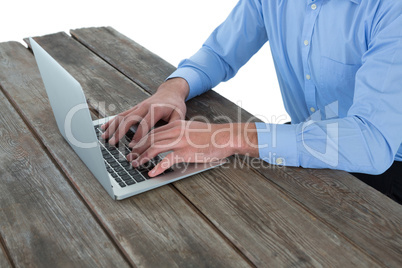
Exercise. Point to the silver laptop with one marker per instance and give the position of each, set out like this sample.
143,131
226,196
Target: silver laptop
107,163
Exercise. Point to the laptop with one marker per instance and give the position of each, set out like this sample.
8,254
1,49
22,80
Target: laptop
107,163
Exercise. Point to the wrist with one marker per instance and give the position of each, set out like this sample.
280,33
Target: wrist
245,139
236,138
177,86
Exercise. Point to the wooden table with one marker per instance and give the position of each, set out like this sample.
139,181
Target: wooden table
53,212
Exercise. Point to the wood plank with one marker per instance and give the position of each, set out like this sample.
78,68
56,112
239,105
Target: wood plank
212,202
145,61
153,229
385,245
4,260
43,221
368,218
149,70
270,228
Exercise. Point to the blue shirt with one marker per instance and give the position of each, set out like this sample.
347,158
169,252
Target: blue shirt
339,66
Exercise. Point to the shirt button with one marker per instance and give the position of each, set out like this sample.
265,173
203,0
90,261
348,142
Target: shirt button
279,161
313,6
312,109
308,77
306,42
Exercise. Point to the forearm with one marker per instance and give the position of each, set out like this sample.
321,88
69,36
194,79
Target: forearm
352,144
203,71
226,50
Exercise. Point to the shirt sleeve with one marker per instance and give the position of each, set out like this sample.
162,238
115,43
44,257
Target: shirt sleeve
368,138
226,50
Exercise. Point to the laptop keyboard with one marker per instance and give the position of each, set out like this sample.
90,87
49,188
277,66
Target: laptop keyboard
118,166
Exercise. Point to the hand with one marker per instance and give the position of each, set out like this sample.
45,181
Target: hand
193,142
168,104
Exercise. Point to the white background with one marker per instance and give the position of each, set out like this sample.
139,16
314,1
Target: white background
172,29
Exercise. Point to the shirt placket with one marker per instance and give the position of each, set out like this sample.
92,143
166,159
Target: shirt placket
312,10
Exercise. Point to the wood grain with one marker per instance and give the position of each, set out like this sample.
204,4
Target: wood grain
213,202
372,219
316,190
43,221
155,229
4,261
145,61
149,70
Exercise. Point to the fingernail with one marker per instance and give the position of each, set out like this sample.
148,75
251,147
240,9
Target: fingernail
134,163
103,126
152,173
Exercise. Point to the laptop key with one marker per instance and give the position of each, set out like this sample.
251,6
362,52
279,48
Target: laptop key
111,148
118,169
121,173
130,134
130,182
138,178
120,157
142,168
132,171
114,152
145,175
126,177
122,160
118,179
122,184
114,165
111,160
125,163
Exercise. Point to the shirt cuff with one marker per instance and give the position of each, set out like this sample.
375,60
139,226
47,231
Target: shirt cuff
277,144
193,79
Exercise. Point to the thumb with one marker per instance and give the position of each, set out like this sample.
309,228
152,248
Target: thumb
163,165
177,114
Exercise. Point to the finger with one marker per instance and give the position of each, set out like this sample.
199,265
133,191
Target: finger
108,123
112,126
164,139
155,131
123,127
176,116
147,155
170,126
145,126
168,161
160,146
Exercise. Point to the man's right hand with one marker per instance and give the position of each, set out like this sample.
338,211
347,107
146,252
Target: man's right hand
168,104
